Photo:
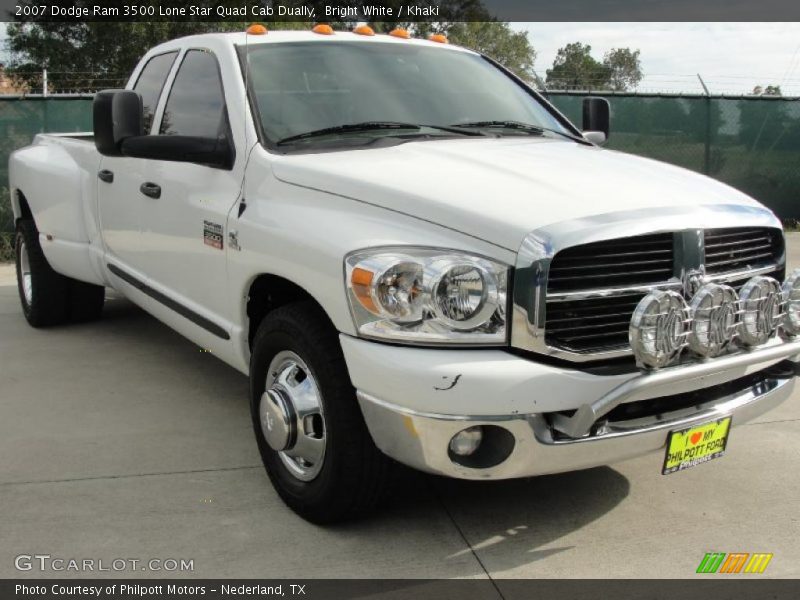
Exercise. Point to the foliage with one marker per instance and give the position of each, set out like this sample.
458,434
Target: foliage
6,227
624,69
770,90
93,55
574,68
497,40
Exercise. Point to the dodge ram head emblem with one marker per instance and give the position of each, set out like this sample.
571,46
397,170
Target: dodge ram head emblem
692,282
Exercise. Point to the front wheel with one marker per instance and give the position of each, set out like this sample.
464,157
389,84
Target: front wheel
312,437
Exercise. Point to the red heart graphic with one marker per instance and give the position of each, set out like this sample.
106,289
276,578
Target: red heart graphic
695,438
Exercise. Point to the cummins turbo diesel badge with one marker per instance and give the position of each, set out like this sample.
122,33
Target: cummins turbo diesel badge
212,234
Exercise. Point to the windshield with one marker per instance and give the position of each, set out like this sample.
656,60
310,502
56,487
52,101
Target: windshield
307,87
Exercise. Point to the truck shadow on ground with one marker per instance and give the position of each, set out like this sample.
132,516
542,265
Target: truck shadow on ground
510,523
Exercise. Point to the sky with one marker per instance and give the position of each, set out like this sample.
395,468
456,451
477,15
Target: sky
731,57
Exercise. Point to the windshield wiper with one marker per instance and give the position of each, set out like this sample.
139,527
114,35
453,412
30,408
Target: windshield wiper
534,129
518,126
369,126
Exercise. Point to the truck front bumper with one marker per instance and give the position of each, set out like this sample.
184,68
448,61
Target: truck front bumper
415,400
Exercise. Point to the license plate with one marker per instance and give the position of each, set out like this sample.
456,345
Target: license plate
690,447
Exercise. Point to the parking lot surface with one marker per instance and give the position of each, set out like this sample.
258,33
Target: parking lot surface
120,439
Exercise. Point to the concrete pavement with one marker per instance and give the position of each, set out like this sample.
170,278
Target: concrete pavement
120,439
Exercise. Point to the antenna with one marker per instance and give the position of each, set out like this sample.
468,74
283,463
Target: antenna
243,200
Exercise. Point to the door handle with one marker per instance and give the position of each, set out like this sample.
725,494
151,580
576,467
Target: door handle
106,175
153,190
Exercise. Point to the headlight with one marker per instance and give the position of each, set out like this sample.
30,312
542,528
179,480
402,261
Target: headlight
659,327
791,296
421,295
715,310
761,302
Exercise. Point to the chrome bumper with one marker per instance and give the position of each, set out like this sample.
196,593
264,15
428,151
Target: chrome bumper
421,440
579,424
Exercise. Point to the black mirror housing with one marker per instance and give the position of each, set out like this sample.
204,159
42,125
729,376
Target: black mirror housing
597,115
117,115
214,152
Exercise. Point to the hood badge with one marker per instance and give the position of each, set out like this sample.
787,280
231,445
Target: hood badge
692,281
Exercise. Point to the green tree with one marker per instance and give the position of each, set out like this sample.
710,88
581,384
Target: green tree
497,40
91,55
574,68
624,69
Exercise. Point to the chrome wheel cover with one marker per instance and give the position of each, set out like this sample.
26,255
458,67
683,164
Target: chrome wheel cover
291,415
25,273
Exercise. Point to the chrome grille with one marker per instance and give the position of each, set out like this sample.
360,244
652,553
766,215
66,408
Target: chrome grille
594,324
593,289
741,249
623,262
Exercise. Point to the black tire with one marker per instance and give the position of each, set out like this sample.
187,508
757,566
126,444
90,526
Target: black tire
55,299
48,303
354,473
86,301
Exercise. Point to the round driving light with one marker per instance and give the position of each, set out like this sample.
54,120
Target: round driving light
463,295
466,442
761,302
714,319
791,297
397,291
658,328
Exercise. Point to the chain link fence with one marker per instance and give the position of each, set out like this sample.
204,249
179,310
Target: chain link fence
751,142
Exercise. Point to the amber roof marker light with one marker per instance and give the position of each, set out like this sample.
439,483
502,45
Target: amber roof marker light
400,33
322,29
439,38
256,29
364,30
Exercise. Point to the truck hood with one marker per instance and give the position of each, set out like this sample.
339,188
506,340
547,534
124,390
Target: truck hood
501,189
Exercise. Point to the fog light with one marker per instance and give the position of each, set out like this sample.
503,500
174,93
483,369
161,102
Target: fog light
761,304
659,327
714,319
791,296
466,442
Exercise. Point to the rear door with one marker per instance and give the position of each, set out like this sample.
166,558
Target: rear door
120,204
183,229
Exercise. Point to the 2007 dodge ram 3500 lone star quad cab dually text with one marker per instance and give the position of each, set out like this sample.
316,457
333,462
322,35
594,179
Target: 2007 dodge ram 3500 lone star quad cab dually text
413,256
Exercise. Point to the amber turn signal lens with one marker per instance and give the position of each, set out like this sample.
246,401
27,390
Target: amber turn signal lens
361,280
438,37
364,30
323,29
256,29
400,33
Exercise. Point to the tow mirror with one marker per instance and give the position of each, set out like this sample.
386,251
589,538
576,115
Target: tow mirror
596,119
117,115
214,152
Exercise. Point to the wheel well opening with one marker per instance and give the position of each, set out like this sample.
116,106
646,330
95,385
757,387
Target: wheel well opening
24,208
268,292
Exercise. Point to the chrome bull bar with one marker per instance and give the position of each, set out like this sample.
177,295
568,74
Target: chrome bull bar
580,423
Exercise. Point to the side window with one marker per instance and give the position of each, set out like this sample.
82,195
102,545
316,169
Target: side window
151,83
196,105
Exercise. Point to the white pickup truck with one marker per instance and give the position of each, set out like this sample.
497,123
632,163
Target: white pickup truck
414,256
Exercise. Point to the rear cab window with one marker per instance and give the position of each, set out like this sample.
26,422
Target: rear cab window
151,82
